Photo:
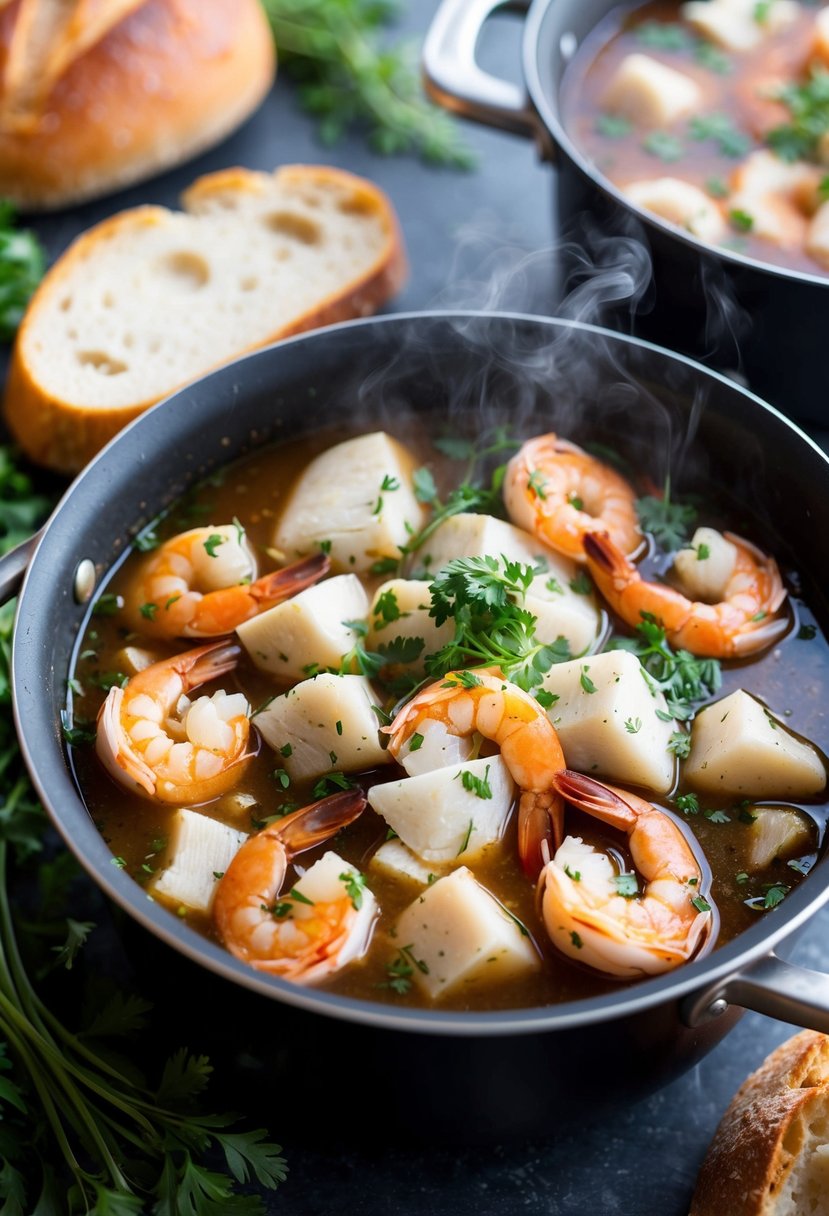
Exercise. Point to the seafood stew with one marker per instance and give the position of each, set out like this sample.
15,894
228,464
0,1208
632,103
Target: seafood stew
714,116
298,877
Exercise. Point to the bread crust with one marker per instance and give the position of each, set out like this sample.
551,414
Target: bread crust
64,434
756,1143
162,84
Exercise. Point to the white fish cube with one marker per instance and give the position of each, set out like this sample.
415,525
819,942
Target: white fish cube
324,725
461,938
200,848
356,496
706,566
614,731
680,203
326,881
739,748
734,24
559,610
395,860
434,747
449,812
410,599
310,628
650,93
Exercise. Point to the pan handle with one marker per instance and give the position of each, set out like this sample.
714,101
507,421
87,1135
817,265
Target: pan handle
13,566
780,990
453,77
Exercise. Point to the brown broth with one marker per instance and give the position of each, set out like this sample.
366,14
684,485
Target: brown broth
792,679
735,93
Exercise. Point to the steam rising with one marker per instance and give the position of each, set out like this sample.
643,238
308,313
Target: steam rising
584,384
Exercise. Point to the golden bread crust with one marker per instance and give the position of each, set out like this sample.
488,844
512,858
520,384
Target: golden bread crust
63,434
118,100
760,1134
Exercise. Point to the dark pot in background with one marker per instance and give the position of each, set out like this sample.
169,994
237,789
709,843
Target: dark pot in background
428,1074
732,313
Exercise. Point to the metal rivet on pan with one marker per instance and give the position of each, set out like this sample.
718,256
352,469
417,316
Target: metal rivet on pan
717,1008
567,45
85,579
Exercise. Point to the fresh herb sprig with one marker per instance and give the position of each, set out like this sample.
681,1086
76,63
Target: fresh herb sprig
22,263
681,676
348,76
80,1131
668,522
808,104
483,597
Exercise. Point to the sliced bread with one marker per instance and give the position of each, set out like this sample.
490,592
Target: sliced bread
770,1153
151,299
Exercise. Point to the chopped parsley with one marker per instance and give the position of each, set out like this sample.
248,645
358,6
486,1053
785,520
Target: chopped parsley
808,104
627,885
585,681
680,744
741,220
663,145
354,883
688,804
633,725
416,742
479,786
212,543
613,126
720,129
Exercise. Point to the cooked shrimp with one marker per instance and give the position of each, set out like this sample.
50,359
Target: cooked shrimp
201,584
295,937
468,701
745,621
558,492
631,934
153,740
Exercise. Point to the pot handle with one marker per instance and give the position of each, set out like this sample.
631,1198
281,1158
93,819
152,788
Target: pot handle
453,77
780,990
13,566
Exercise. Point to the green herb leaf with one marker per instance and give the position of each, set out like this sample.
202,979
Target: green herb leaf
354,883
476,785
349,77
662,144
613,126
668,522
627,885
212,543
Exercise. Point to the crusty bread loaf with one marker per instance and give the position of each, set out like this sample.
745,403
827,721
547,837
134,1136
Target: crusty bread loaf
151,299
95,94
770,1153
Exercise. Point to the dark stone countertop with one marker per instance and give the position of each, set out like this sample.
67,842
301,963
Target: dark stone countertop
483,239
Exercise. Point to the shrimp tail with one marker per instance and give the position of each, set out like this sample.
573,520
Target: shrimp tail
601,801
281,584
540,826
317,822
205,663
608,558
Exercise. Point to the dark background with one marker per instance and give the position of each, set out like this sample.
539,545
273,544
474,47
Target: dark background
483,239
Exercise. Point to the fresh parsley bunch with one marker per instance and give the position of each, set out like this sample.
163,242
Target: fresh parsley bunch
483,596
681,676
348,76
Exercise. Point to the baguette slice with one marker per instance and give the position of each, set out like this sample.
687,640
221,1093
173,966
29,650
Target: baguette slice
770,1153
151,299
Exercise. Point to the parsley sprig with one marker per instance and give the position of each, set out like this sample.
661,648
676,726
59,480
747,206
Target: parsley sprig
22,263
668,522
483,597
348,76
809,107
681,676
